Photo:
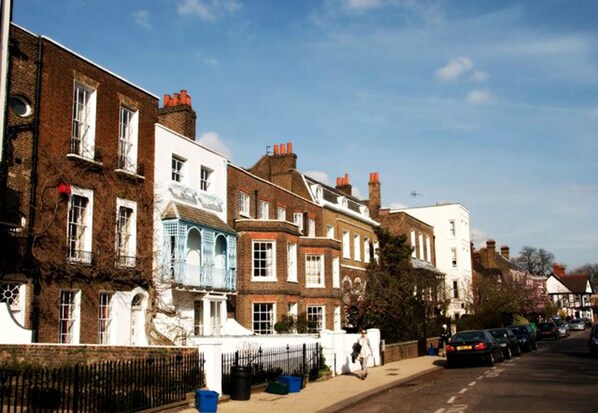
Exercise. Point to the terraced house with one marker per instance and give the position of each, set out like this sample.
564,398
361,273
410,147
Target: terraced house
196,249
79,162
323,241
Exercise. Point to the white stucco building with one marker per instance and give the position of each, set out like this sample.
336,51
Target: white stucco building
453,250
196,250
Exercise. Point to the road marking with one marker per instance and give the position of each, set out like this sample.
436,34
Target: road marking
472,383
440,410
457,408
480,377
463,390
452,399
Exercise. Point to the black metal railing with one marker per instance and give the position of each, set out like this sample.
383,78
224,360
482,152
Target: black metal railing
114,386
270,363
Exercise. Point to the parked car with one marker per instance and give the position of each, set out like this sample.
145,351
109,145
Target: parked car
548,330
507,340
577,324
593,341
525,335
471,346
587,321
564,329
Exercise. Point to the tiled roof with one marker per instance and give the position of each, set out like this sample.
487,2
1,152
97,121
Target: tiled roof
575,283
175,210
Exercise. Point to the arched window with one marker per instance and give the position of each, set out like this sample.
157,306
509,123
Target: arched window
136,319
194,251
220,254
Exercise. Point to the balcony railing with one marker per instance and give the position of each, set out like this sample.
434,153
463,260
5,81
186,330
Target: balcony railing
206,276
79,257
124,261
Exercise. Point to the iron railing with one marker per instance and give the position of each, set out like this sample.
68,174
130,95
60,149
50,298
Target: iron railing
111,386
270,363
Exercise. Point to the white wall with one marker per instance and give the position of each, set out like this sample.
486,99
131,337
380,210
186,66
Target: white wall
439,216
11,332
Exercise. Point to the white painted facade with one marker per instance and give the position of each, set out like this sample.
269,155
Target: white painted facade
192,301
453,250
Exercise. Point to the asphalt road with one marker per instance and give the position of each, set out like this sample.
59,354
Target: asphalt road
558,377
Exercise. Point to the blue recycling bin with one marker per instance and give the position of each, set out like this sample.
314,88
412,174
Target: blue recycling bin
206,401
294,383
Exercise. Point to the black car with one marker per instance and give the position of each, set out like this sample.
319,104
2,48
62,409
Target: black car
525,335
473,346
548,330
507,340
593,341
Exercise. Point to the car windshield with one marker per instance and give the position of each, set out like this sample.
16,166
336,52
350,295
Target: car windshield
519,329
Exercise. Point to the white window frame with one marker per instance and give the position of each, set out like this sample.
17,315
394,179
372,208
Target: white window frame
336,272
270,255
265,308
428,249
128,137
337,318
244,204
205,178
69,317
452,228
455,289
376,247
366,250
293,309
330,231
281,213
298,220
316,313
413,245
311,225
264,209
314,271
292,263
198,323
105,317
346,244
83,121
454,259
126,252
177,168
357,247
420,238
80,226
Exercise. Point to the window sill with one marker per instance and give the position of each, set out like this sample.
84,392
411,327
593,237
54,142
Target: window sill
130,174
263,279
315,286
78,157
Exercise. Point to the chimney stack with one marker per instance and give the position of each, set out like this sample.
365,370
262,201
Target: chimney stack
491,254
374,195
504,251
558,269
343,184
178,115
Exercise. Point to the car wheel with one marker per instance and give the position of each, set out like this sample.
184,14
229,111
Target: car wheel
517,351
490,360
508,353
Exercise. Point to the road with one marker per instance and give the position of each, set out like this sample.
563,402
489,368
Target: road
558,377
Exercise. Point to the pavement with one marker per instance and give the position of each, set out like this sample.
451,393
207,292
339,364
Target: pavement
335,394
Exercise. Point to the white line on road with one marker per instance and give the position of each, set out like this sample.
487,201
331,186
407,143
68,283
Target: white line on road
452,399
480,377
441,410
472,383
463,390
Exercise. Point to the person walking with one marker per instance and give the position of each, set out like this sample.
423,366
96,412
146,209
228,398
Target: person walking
444,336
365,353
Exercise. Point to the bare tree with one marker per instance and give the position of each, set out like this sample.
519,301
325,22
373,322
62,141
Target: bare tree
591,270
536,261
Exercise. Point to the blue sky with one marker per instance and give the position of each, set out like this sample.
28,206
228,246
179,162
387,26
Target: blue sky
492,104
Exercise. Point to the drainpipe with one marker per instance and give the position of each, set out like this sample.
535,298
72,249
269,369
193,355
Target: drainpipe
30,262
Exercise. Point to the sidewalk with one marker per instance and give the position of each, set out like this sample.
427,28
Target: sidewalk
332,395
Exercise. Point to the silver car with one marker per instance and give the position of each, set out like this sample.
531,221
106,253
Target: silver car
563,328
577,324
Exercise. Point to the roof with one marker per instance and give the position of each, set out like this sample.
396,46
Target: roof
577,284
176,210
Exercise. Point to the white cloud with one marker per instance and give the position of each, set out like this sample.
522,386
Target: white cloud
454,68
478,237
361,4
479,76
213,141
207,9
397,205
319,176
477,97
142,18
210,61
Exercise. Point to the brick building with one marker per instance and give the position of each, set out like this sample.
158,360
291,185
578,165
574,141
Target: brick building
79,149
336,238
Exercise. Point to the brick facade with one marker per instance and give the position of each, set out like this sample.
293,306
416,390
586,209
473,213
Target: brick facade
279,291
52,104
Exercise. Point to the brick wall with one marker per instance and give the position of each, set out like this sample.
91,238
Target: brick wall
405,350
60,355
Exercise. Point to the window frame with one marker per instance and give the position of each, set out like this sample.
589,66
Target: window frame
292,272
79,231
298,220
205,178
356,247
316,279
129,258
177,168
128,137
270,310
83,121
320,318
264,209
346,241
281,213
105,317
271,269
69,316
244,204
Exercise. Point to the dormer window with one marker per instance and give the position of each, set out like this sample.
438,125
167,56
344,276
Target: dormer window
342,201
318,194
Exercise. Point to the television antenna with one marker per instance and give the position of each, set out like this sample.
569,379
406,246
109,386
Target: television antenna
415,194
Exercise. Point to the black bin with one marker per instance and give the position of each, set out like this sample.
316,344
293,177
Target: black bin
240,382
